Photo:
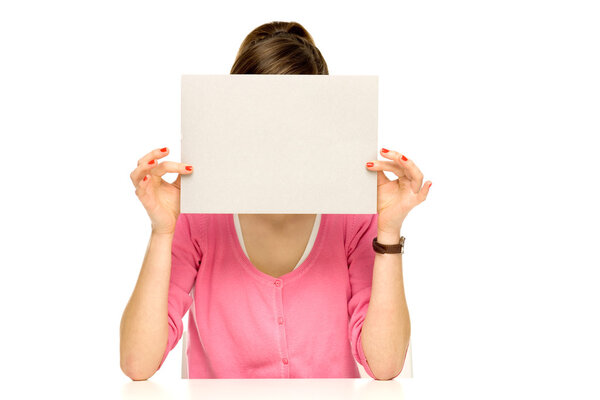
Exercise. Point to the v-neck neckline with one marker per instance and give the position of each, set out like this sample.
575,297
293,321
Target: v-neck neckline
287,277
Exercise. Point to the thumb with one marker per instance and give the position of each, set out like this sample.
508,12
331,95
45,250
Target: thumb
424,191
381,178
177,182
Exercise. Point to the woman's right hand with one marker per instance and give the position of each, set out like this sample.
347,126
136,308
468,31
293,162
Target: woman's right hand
159,198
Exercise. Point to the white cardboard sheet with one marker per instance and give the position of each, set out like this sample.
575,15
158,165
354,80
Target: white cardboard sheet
280,144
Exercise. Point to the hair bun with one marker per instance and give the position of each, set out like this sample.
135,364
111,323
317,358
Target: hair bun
278,28
286,33
291,29
298,30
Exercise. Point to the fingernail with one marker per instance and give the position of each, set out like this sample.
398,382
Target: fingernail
145,177
404,158
163,149
369,164
151,162
430,183
383,149
188,167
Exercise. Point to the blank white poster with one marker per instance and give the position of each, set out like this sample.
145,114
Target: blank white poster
279,143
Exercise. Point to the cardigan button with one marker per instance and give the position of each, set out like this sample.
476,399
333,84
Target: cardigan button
280,321
285,361
278,283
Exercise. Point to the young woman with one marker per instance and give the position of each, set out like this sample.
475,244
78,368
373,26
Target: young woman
271,295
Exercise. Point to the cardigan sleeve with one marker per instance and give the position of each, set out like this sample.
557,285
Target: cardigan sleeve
362,228
186,255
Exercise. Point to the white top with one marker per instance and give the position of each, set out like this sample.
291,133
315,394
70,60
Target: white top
309,246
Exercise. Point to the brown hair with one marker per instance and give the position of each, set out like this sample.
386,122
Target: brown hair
279,48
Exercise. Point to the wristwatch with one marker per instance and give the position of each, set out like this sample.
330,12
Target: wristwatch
388,248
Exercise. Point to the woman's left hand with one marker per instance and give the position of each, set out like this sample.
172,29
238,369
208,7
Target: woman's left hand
396,198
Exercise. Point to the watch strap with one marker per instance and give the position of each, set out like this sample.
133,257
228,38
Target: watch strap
388,248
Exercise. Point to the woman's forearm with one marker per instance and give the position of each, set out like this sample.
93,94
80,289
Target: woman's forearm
144,325
386,328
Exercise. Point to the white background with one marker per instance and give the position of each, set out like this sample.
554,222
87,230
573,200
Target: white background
496,101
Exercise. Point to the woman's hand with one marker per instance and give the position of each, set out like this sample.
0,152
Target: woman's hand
159,198
396,198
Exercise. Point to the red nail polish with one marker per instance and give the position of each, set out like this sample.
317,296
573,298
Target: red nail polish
145,177
151,162
188,168
383,149
369,164
163,149
430,183
404,158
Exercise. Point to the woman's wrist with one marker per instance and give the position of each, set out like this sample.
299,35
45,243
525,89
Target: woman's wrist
384,237
162,233
162,230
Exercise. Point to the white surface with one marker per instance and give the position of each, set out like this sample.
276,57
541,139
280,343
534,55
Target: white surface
497,103
278,143
330,389
301,389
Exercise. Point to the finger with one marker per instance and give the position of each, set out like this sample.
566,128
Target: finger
171,166
412,171
142,188
382,165
141,170
154,155
422,195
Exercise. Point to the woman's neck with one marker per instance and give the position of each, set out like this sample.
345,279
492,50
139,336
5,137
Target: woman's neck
278,220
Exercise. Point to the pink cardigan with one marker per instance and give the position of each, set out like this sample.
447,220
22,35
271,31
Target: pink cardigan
247,324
